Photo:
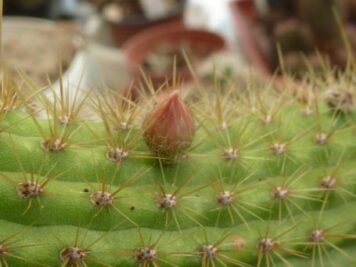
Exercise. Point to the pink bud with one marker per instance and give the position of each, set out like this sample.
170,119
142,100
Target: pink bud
169,127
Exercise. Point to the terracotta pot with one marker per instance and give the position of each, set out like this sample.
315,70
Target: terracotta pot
245,18
139,47
128,27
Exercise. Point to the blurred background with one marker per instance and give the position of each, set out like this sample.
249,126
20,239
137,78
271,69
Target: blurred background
112,42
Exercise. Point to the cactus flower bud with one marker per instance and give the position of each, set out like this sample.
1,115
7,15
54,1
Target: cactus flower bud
169,127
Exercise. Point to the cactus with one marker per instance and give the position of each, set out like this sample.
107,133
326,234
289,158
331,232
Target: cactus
224,177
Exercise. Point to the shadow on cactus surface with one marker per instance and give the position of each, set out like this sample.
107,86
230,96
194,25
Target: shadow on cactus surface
217,176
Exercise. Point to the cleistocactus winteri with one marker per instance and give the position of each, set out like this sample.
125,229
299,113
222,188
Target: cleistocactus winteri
222,178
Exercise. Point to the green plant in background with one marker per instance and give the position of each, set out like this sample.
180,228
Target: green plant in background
225,177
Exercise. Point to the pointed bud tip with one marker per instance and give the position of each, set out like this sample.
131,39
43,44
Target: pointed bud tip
174,96
172,107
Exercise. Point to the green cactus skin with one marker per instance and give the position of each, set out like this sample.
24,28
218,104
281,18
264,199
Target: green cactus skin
269,180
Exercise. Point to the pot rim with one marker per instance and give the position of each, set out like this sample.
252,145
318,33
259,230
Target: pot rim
157,34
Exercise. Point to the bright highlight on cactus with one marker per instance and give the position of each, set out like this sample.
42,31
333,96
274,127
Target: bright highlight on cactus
225,177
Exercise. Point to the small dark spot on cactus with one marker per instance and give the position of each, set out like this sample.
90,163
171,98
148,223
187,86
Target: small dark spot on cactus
29,189
86,190
317,236
117,154
267,245
146,255
279,148
231,154
132,208
225,198
53,145
280,192
207,251
321,138
101,198
339,100
73,256
167,201
328,182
